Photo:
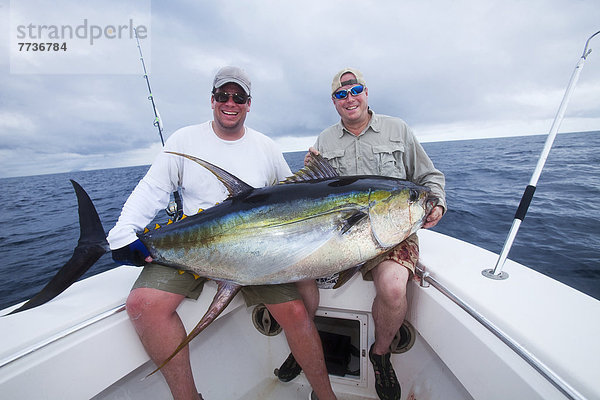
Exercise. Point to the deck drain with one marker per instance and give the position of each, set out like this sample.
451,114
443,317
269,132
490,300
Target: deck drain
264,322
404,339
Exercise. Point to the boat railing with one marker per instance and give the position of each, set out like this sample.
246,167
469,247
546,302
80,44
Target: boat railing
427,280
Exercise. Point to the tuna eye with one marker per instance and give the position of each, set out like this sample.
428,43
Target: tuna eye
413,196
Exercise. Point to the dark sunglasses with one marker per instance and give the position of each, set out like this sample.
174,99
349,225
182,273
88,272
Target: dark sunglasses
354,91
238,98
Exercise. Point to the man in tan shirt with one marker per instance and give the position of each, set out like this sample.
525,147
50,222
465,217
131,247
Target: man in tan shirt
366,143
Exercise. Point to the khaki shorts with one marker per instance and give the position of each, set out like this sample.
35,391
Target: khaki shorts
171,280
405,254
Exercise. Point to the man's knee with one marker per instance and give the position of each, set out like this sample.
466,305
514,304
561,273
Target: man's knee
390,280
134,304
289,314
158,302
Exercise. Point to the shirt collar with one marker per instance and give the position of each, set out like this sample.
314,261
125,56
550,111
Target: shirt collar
374,125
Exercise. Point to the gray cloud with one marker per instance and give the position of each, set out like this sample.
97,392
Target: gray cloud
451,69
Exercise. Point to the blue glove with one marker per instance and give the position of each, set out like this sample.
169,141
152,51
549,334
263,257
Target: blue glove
134,253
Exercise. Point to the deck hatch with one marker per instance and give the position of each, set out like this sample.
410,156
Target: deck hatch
343,328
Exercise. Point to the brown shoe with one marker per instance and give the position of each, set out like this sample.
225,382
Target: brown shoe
289,369
386,383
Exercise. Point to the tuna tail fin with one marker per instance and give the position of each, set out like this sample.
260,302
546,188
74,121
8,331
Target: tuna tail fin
225,293
91,246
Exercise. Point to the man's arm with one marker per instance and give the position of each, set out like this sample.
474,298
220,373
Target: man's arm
139,210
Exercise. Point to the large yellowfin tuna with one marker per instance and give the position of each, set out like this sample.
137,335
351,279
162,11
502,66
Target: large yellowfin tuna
313,224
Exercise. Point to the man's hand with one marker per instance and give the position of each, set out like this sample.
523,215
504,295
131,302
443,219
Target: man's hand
433,217
134,253
311,151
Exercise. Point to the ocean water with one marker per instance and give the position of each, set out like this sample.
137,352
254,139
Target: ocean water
485,179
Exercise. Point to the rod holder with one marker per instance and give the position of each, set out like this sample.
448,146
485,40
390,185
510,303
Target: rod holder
489,273
497,273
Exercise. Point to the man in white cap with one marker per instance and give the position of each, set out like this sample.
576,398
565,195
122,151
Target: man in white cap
254,158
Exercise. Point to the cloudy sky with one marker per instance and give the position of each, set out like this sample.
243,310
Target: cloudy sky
452,69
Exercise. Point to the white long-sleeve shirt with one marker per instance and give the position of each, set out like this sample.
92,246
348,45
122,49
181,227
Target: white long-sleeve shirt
255,159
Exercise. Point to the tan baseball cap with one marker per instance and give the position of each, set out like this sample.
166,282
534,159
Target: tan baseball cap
337,83
232,74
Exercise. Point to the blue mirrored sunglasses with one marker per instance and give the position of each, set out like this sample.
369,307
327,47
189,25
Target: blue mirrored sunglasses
354,91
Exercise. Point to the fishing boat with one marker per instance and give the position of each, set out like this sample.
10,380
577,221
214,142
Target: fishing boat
471,332
466,336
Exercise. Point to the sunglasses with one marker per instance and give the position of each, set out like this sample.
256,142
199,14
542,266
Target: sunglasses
354,91
238,98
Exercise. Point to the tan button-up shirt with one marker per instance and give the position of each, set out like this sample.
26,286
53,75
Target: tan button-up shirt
387,147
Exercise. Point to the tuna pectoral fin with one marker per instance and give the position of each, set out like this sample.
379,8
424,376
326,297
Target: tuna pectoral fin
225,293
91,246
352,219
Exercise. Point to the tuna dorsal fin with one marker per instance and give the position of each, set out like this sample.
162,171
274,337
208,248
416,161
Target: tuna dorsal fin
233,184
317,168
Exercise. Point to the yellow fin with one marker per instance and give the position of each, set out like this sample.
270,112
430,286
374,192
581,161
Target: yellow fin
181,272
200,210
170,221
183,216
156,226
146,230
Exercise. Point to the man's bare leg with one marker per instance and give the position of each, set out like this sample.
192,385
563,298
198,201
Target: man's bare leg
310,296
390,304
305,343
309,292
154,316
389,310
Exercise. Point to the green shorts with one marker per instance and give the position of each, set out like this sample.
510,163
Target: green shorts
173,281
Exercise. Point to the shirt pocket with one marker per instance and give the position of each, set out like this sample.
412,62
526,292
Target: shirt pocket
390,160
335,159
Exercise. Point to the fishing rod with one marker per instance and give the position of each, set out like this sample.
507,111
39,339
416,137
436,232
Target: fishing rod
174,209
497,272
157,119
